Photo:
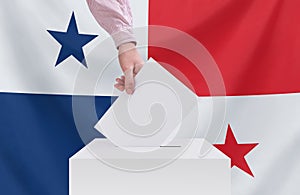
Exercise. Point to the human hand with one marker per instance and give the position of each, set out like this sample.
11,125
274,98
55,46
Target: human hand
131,63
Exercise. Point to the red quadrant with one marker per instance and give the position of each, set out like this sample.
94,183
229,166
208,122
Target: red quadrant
255,43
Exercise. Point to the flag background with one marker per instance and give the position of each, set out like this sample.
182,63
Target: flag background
255,43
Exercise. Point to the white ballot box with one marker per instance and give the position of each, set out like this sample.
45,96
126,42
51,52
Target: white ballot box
190,174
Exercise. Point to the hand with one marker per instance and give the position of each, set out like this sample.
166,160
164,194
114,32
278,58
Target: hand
131,63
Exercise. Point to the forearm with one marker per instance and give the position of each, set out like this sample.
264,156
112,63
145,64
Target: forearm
115,17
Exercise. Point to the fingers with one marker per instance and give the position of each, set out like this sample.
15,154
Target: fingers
129,80
120,81
119,87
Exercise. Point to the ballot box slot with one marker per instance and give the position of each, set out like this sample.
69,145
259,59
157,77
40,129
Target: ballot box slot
170,146
149,146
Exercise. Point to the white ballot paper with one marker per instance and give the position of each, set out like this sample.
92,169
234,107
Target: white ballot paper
161,111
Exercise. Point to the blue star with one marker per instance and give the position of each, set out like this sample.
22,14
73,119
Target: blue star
71,42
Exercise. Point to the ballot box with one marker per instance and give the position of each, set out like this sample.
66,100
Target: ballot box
192,173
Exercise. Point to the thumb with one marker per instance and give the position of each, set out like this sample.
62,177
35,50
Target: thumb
129,80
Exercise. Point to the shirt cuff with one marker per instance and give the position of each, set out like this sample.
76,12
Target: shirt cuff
123,36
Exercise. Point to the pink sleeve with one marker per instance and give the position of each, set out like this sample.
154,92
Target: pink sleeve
115,17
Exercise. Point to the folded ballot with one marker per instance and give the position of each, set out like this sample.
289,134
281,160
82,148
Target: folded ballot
161,111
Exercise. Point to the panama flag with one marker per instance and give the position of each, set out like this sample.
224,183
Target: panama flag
45,45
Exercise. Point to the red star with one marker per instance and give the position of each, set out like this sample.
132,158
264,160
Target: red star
236,152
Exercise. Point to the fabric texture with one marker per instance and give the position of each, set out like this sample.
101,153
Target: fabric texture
115,17
254,43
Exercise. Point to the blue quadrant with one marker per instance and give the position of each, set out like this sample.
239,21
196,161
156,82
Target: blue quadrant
37,137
